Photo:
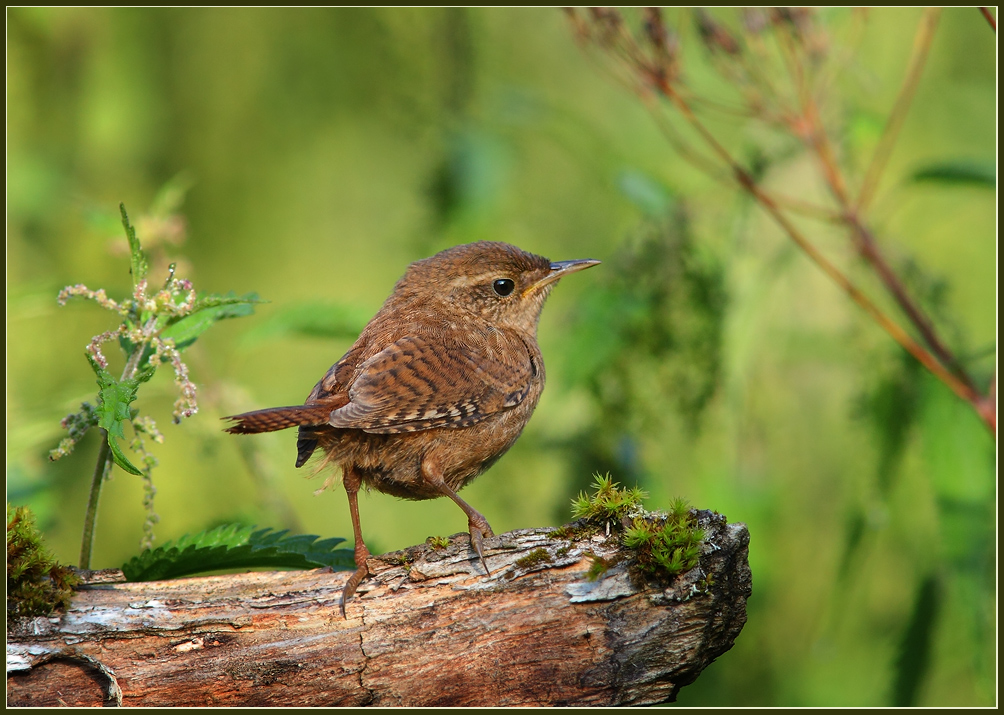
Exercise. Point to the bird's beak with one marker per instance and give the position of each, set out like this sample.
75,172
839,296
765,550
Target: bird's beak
559,269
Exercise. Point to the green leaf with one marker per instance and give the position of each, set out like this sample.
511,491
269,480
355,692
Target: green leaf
208,310
114,400
234,546
913,662
118,456
137,259
211,300
959,171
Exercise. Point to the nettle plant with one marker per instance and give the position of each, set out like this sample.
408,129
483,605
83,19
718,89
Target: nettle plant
157,325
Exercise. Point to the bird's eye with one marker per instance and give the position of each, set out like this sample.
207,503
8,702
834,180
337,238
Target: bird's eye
503,286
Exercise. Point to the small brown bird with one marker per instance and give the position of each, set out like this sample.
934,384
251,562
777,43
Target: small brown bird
438,386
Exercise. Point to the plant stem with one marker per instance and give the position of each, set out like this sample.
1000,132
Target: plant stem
962,388
807,125
861,236
948,370
104,463
869,250
101,470
921,48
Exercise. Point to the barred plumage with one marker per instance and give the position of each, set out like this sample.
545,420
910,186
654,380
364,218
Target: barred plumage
274,419
438,386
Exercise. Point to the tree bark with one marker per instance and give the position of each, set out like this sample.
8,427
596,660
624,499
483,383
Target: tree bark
427,628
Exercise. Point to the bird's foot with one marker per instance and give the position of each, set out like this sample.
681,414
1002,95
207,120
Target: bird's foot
351,585
361,572
478,529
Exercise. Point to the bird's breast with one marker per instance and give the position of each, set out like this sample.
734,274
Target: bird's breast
392,463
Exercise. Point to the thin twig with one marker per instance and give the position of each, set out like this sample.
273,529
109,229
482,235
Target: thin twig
711,170
820,141
891,327
863,238
987,404
918,57
786,47
990,18
868,248
807,208
679,144
723,107
843,56
754,67
809,127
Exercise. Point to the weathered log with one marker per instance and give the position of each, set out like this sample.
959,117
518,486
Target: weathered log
429,628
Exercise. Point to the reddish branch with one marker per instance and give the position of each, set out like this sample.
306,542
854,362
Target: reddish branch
990,18
658,70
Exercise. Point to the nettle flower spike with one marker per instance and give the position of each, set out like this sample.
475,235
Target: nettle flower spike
154,329
97,296
185,405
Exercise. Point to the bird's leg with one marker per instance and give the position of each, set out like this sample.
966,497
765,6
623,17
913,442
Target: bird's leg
477,525
351,481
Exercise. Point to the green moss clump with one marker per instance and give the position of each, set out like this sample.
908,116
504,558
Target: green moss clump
597,566
571,532
438,542
36,584
663,546
666,548
608,502
565,531
535,558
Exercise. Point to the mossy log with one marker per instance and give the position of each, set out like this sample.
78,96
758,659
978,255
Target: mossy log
428,628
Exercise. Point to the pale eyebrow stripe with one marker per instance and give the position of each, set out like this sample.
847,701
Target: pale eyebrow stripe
480,279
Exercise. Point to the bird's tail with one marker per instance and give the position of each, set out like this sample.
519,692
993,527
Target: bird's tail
277,418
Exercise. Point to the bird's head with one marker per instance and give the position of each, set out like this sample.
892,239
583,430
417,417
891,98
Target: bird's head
496,281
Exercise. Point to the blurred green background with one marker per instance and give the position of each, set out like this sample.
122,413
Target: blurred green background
325,149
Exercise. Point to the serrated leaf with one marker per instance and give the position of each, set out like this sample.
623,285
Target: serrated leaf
234,546
114,400
959,171
185,331
137,259
119,457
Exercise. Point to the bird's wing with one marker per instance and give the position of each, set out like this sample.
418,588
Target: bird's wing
415,385
330,392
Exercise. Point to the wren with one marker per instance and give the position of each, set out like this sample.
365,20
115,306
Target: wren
438,386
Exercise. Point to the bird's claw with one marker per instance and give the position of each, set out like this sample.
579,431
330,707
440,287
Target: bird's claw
361,572
351,585
478,531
